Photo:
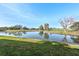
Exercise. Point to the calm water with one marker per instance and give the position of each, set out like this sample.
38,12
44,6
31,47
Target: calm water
43,36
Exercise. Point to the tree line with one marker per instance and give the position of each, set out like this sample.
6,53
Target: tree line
16,27
66,23
20,27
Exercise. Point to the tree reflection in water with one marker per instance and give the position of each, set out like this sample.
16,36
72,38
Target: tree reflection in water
65,38
46,35
17,33
41,33
24,32
76,39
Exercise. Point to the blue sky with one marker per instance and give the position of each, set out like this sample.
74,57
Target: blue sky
33,15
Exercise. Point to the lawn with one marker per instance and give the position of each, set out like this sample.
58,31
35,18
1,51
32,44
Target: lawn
12,46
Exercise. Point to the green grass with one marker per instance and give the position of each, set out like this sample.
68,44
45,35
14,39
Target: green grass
12,46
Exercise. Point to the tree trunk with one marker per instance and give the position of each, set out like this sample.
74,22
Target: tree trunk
65,30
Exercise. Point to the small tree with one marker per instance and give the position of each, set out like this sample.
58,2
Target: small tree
66,22
41,27
25,28
18,27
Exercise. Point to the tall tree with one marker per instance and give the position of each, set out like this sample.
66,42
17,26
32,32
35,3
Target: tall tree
46,26
66,22
18,27
41,27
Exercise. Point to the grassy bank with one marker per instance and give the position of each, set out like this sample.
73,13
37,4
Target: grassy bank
29,47
64,33
23,30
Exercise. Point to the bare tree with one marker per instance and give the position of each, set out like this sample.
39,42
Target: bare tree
46,26
66,22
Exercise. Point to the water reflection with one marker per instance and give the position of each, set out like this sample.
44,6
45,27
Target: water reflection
41,33
24,32
16,33
76,39
65,38
44,36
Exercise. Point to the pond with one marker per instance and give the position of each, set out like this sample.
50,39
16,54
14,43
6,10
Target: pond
43,36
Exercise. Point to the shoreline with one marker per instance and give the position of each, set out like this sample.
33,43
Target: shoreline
73,33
